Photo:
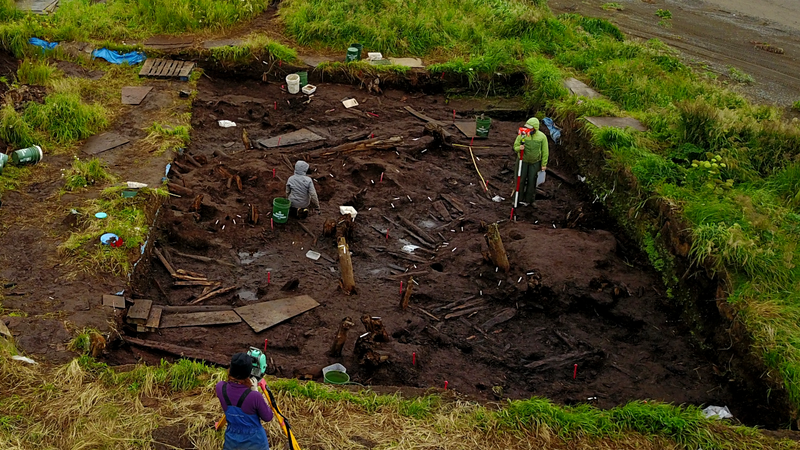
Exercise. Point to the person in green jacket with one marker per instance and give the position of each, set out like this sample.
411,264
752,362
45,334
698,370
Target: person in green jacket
535,154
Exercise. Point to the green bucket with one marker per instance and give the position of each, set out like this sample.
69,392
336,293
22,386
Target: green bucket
280,210
358,47
482,126
303,78
3,161
336,377
30,155
352,54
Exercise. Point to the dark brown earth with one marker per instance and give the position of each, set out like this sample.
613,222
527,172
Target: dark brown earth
561,285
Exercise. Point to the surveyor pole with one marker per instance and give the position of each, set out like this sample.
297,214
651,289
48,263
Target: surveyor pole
519,176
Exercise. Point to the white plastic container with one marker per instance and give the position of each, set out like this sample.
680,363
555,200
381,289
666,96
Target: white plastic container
309,89
374,56
293,83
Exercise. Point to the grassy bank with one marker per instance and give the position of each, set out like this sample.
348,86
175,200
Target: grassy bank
84,404
118,21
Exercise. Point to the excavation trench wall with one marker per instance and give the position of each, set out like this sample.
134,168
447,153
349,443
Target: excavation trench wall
700,292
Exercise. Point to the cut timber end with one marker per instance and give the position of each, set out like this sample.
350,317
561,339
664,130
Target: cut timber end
139,312
348,282
341,336
154,319
497,252
407,295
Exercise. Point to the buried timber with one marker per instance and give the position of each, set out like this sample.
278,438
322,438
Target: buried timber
578,318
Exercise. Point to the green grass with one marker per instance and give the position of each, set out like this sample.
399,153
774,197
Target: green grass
83,174
127,218
14,130
35,71
664,14
739,76
796,106
117,21
167,137
613,6
89,402
256,47
65,117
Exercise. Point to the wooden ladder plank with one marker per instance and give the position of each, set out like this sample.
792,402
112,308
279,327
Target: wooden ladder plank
155,67
145,70
171,69
186,70
164,68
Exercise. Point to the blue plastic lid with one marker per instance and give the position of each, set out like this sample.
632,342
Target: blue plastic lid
106,238
101,215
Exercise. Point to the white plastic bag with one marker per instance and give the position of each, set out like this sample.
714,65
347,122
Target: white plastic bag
226,123
540,178
719,412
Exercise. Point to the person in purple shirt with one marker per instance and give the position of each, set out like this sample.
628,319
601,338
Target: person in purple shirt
244,407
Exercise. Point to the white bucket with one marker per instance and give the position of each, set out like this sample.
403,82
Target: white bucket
293,83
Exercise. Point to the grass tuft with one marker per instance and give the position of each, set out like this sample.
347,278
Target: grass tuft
65,117
83,174
34,71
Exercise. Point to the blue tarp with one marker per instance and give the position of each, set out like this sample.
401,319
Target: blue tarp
555,132
44,44
118,58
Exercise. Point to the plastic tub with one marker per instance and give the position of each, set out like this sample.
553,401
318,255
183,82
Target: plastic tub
309,89
293,83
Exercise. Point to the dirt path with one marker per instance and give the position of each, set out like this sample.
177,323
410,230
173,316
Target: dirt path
46,300
717,37
573,290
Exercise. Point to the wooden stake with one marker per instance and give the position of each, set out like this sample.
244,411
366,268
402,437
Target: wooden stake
418,230
164,261
375,326
212,294
348,282
253,217
180,190
341,336
497,253
407,296
204,259
198,201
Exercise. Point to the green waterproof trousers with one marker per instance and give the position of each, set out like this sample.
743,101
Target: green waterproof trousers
527,186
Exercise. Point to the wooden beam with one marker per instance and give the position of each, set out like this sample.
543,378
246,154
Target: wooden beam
184,352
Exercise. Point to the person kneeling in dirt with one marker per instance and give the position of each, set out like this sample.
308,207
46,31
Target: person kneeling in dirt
535,153
244,407
300,191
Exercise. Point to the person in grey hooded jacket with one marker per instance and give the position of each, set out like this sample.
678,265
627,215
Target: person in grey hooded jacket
300,190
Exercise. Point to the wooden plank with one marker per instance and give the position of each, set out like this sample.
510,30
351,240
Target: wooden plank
133,95
186,70
176,69
421,116
464,312
145,70
154,319
154,67
199,319
198,308
503,316
184,352
438,205
140,311
158,67
115,301
261,316
300,136
165,68
453,202
103,142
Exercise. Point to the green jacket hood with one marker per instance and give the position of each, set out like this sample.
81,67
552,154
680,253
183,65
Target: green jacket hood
532,123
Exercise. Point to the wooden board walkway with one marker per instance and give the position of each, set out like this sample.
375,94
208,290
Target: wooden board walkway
167,68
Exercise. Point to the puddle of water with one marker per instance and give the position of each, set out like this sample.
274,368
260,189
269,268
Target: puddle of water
247,295
247,258
428,224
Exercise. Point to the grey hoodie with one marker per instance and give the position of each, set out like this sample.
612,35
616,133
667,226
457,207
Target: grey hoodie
300,188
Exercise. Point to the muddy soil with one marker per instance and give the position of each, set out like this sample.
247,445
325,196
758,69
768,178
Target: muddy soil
576,290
